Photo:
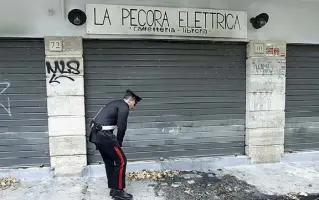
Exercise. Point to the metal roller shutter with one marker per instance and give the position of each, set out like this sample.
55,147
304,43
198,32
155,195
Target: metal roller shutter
23,111
302,98
194,95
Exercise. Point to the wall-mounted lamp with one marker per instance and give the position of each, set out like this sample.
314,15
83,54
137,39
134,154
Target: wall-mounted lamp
260,20
77,17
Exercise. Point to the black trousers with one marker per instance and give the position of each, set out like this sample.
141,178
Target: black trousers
115,165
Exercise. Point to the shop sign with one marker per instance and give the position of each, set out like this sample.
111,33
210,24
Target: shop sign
163,21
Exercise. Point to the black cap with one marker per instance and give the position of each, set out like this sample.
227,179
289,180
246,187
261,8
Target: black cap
133,95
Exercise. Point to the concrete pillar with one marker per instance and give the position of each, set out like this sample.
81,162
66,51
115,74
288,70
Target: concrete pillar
65,103
265,100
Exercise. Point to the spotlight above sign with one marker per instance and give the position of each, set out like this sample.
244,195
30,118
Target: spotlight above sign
260,20
77,17
164,21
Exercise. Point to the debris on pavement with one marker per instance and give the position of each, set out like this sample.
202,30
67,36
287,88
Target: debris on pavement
8,182
151,175
284,181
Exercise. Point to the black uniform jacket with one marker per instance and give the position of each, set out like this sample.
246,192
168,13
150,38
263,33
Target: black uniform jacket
114,113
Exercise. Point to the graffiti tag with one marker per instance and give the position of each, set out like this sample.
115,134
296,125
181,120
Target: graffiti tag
62,69
8,107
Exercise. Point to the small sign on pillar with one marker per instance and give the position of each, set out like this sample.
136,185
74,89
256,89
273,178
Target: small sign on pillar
259,48
266,48
55,46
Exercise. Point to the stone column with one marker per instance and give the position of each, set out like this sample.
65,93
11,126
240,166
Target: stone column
265,100
65,103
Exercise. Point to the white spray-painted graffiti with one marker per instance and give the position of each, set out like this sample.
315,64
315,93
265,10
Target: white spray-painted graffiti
269,83
263,95
264,68
270,120
268,67
266,86
8,107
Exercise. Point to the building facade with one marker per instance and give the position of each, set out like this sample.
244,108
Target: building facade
213,84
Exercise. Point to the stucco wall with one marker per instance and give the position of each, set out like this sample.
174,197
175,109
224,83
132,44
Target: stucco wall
290,20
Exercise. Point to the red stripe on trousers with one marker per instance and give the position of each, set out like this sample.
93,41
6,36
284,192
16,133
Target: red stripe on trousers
121,167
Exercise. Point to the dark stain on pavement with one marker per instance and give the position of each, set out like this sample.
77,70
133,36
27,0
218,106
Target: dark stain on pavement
208,186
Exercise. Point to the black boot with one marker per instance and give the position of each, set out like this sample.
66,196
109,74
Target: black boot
120,194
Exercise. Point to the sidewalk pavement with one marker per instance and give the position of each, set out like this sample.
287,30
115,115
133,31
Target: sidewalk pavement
267,181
